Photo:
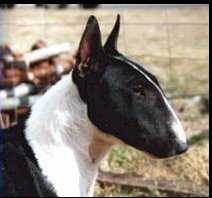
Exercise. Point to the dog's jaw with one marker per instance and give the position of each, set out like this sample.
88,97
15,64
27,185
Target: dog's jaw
67,145
100,144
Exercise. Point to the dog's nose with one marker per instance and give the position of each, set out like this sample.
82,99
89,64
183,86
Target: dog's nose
181,148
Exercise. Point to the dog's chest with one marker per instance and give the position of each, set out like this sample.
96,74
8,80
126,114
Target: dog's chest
70,173
60,137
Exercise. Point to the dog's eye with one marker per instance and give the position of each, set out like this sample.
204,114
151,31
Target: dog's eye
139,90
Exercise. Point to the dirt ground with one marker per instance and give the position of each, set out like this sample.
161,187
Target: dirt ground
172,43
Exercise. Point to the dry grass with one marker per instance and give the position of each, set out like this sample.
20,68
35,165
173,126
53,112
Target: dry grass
180,62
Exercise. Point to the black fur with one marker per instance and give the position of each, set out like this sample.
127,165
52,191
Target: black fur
121,101
21,174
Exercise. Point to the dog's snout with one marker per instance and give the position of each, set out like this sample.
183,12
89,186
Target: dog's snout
181,148
181,145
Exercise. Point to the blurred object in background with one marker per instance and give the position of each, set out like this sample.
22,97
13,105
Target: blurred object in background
24,76
63,6
40,71
59,6
89,6
9,6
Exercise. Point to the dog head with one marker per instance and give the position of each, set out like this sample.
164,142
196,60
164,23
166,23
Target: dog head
124,99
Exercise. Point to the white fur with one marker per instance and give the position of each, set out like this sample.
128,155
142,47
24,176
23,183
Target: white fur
59,133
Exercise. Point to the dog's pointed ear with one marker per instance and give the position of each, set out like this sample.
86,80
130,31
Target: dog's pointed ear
111,43
90,51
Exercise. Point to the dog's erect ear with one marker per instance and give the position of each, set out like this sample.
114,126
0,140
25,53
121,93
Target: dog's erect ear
90,52
111,43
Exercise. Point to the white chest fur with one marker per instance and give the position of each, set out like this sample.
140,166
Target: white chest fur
61,135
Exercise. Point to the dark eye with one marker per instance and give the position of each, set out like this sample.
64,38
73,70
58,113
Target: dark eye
139,90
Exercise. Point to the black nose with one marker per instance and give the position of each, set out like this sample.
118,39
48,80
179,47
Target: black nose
181,148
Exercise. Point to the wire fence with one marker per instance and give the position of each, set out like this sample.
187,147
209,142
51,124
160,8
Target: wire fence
175,51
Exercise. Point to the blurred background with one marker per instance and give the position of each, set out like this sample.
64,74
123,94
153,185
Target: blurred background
172,41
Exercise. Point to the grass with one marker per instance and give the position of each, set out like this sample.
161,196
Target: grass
198,139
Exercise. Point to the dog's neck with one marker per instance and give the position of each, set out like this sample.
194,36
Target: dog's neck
67,145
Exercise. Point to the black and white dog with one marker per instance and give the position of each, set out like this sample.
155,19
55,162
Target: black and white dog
105,100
